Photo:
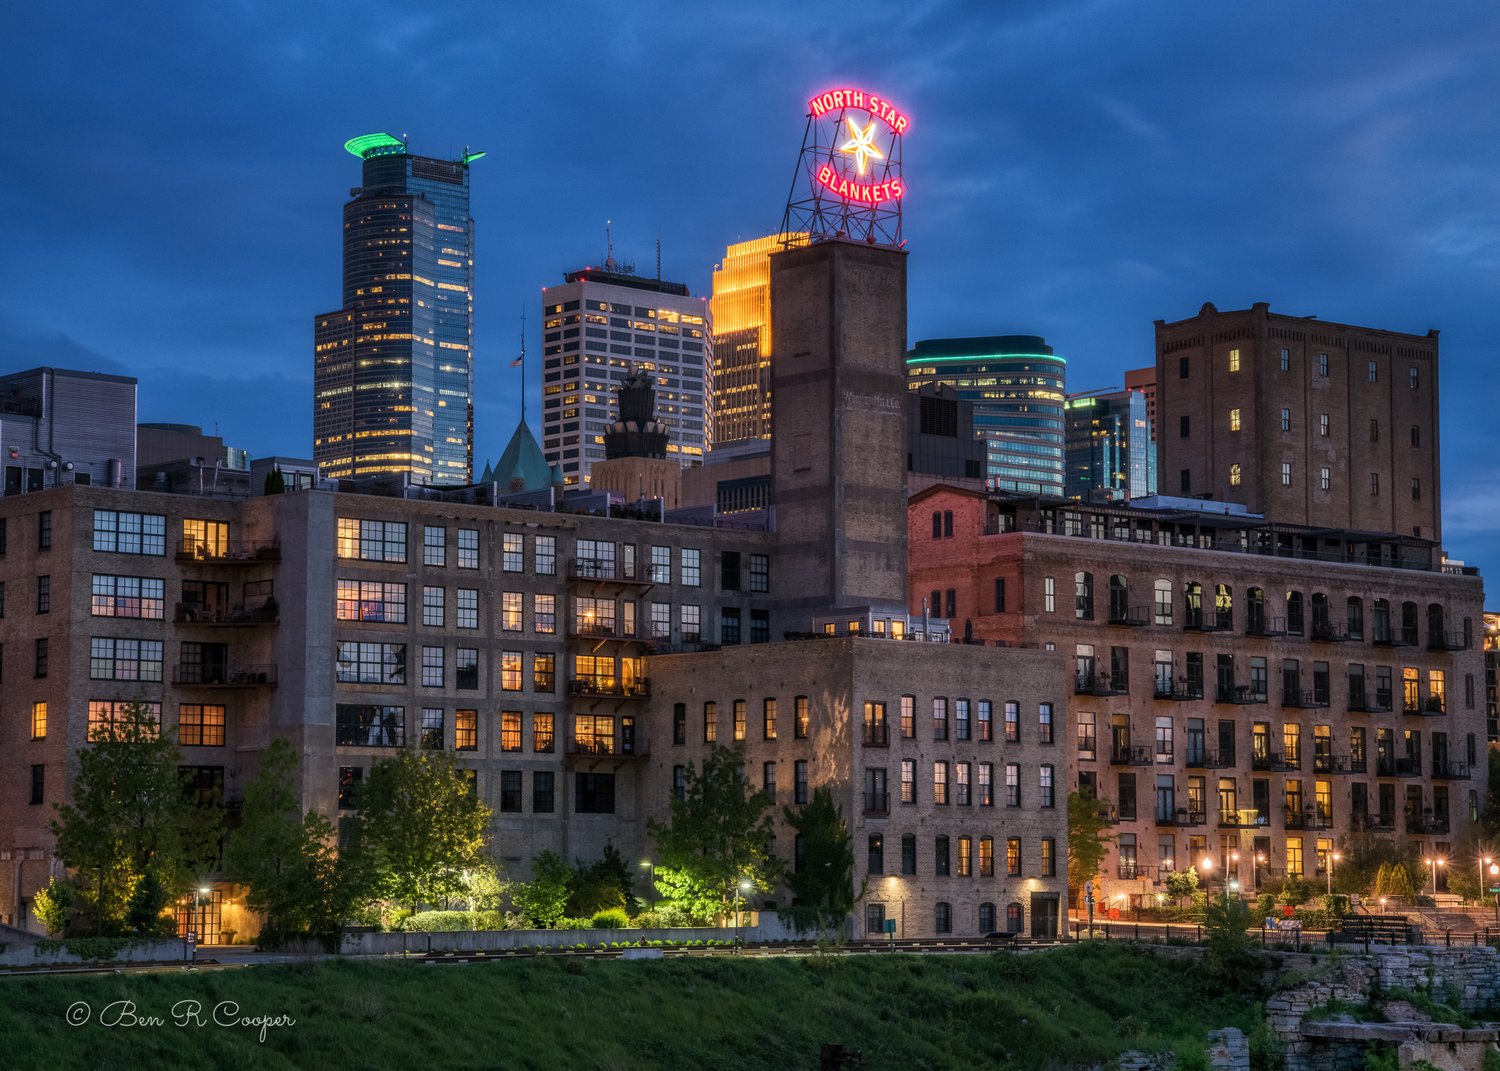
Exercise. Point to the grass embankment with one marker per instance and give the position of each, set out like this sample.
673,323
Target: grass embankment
1064,1008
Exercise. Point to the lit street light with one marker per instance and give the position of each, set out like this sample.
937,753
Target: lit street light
1333,857
193,926
1434,862
651,886
744,886
1483,864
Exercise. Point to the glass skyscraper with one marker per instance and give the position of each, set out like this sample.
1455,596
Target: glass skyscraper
1016,384
393,379
1110,455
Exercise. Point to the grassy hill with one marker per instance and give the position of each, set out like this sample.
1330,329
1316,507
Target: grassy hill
1064,1008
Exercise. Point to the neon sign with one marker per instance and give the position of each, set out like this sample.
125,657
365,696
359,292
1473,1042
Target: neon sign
855,143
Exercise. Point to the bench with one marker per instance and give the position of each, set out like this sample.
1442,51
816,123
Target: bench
1375,929
1002,938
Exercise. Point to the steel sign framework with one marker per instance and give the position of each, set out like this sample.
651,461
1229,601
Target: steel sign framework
848,182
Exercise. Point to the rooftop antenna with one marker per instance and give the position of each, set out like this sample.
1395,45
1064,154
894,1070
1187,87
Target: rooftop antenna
609,245
658,256
520,362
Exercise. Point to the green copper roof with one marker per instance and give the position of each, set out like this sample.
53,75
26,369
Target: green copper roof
522,462
367,145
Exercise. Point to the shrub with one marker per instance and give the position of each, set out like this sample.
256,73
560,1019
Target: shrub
611,918
53,904
570,923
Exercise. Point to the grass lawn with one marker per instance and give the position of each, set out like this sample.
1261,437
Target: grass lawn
1063,1008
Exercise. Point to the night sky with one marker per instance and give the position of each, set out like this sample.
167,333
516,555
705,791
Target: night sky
173,176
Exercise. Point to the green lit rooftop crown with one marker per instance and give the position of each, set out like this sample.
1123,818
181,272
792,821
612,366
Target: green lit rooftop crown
368,145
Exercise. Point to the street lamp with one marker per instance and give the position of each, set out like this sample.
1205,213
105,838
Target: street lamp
1260,861
1435,862
1495,881
193,926
1206,864
1333,857
1484,863
744,886
651,878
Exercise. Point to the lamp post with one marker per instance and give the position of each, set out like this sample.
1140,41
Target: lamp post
649,866
1260,861
193,926
743,886
1484,864
1333,857
1434,862
1206,864
1495,880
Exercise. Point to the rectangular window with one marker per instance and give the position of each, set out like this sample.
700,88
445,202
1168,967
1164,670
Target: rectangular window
908,854
433,672
940,783
544,614
510,730
801,717
544,673
199,725
1045,786
908,716
104,715
468,548
371,600
510,671
1087,736
940,718
659,618
466,608
1049,857
908,781
1286,359
510,790
661,565
799,782
1323,425
434,545
38,783
768,780
39,721
1012,784
1325,478
965,857
999,594
432,607
729,626
432,728
1323,365
690,568
372,541
544,555
1286,419
961,785
739,719
984,785
370,663
1234,420
112,659
513,553
1234,360
543,792
961,723
1012,721
940,865
986,730
876,854
1013,857
768,718
364,725
692,623
1049,594
1044,724
543,731
1371,372
128,596
130,533
1286,474
710,722
512,611
39,662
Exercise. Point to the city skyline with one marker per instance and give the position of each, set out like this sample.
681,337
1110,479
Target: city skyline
1109,170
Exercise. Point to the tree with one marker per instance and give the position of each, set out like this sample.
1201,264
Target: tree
604,883
1231,956
420,826
1089,835
822,884
1395,881
1181,884
130,811
275,481
544,899
296,878
53,905
719,835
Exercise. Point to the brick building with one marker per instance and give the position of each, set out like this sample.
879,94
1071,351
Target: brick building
1254,692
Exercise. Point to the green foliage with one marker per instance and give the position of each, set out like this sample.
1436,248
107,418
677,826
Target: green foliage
1089,836
1265,906
420,826
718,836
296,878
823,892
447,921
483,888
1336,905
607,882
130,810
275,481
543,900
53,905
88,948
611,918
1295,890
1231,951
1396,880
147,902
1181,884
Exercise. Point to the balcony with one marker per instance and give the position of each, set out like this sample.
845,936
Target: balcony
1328,634
1241,694
1398,638
605,571
1327,763
1450,771
1130,616
1359,703
1200,623
1181,692
1265,760
1131,756
1180,817
1265,625
1372,823
1434,706
877,735
237,616
1427,823
1308,818
1094,684
203,675
1446,641
604,631
1210,760
1130,870
877,803
577,749
610,687
1304,700
223,552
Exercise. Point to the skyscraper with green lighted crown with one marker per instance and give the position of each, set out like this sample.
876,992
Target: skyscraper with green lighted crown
393,376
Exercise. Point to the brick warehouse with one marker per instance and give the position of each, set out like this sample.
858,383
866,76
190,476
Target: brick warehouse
550,650
1243,690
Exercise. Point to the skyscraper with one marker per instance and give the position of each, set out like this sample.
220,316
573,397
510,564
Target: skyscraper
741,307
1016,384
599,326
1109,451
393,379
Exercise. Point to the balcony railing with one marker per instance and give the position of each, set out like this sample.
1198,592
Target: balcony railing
610,687
1182,816
1128,870
203,675
1328,763
606,569
193,614
221,552
1308,818
1396,638
1434,705
1094,684
1372,823
1305,700
1450,771
1241,695
1132,616
1329,634
877,735
1131,756
638,746
1181,692
1446,641
1210,760
1265,625
1427,824
877,803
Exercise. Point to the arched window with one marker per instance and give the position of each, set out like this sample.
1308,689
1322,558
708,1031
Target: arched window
986,918
942,920
1192,597
1409,623
1013,917
1354,617
1163,602
1321,627
1223,607
1083,596
1255,611
1382,622
1119,599
1294,613
1435,631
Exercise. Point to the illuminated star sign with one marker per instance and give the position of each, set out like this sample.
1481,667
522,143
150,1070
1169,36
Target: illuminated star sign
862,144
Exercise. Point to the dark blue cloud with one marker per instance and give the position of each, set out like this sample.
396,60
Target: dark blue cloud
1078,169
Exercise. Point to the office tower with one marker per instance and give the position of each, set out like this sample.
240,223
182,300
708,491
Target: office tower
1144,380
393,379
1109,453
60,427
1016,384
741,308
600,325
1302,420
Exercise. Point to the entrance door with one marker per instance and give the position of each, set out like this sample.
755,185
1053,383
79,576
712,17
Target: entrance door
1044,914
